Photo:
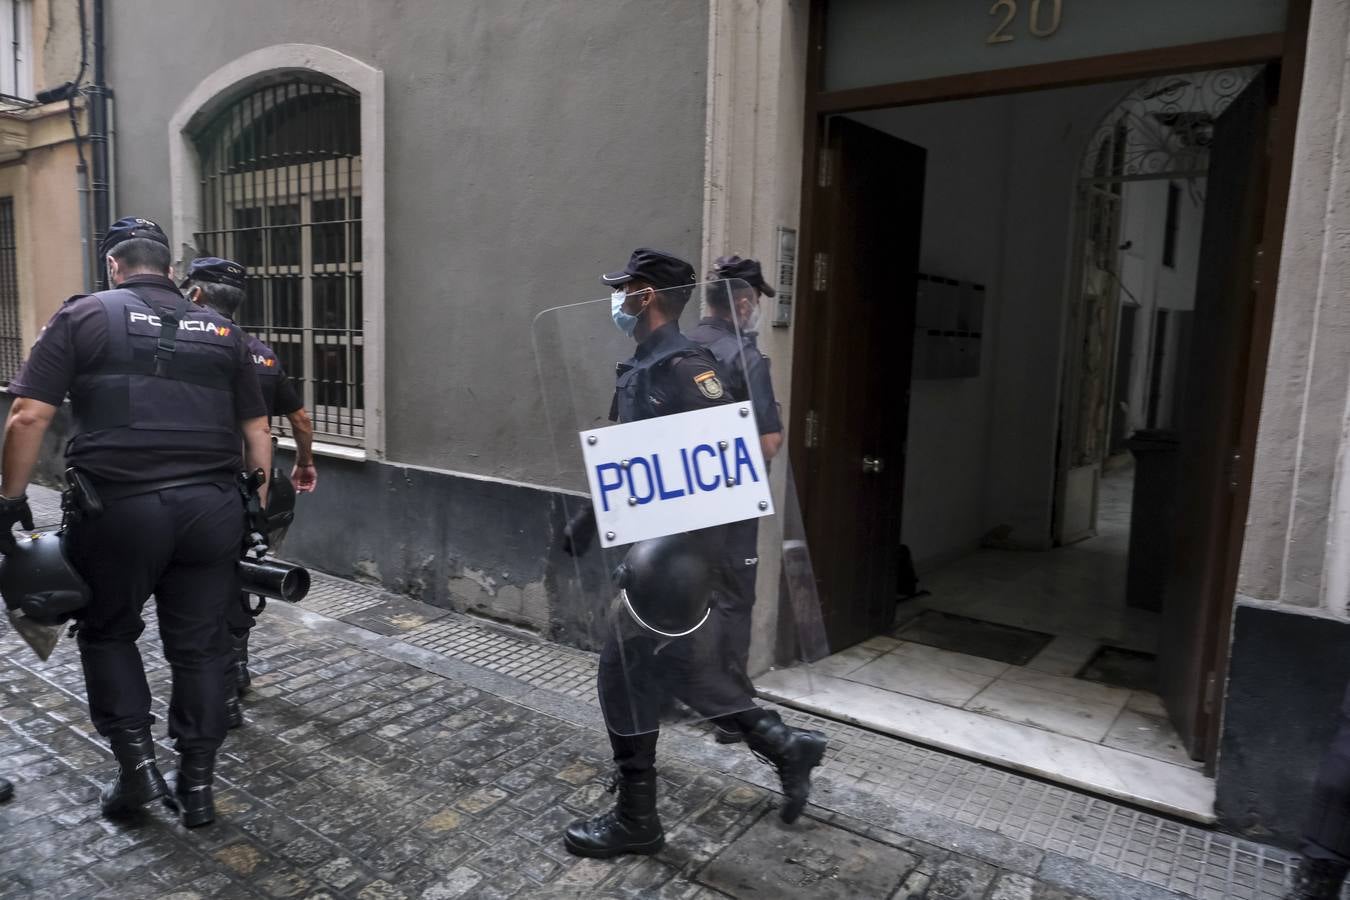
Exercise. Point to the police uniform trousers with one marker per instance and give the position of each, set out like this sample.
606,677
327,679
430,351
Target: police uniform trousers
640,674
737,597
237,618
182,545
1327,831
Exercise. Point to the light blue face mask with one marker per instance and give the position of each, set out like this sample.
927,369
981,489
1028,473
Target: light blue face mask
626,322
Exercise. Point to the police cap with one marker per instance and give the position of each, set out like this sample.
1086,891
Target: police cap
659,269
128,228
220,271
747,270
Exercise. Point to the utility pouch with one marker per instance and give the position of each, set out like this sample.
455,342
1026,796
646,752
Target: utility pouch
80,501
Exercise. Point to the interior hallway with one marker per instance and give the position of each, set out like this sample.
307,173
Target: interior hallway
1031,660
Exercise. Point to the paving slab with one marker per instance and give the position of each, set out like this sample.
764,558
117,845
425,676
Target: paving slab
807,860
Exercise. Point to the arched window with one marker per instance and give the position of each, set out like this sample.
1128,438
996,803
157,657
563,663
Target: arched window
281,194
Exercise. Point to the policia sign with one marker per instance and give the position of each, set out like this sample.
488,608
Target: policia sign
676,473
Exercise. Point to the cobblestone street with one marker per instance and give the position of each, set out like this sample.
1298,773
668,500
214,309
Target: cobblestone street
359,776
370,767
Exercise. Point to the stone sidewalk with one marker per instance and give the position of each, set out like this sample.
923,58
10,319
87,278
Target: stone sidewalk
405,751
361,776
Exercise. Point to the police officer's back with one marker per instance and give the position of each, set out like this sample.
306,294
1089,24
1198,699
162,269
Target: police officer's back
218,284
731,333
160,394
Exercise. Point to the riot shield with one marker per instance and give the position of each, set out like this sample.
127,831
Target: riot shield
666,491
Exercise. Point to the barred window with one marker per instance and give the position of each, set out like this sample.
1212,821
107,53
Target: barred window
281,194
11,333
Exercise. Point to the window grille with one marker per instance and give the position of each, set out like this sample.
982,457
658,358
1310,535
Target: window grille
281,194
11,334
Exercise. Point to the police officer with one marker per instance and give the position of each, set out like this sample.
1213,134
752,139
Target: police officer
160,394
219,285
670,374
1326,835
730,333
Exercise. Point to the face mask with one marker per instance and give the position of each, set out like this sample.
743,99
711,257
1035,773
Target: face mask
626,322
748,318
750,324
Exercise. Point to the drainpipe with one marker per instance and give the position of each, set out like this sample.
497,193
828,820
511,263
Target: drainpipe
86,243
98,140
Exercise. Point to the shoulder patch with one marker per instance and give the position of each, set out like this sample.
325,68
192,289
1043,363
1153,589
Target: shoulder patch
709,385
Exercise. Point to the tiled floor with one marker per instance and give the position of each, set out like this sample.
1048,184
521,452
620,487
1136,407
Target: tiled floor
1034,717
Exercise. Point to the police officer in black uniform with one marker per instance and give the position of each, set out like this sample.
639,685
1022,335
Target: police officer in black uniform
1326,834
219,284
161,393
670,374
730,333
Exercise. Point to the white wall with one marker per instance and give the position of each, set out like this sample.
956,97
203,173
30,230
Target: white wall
963,221
1145,278
998,210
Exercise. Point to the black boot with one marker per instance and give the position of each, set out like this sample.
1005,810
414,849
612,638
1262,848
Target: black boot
239,642
632,826
725,736
192,788
234,713
794,752
6,790
138,781
1318,879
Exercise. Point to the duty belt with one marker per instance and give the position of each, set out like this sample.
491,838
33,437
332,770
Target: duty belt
109,491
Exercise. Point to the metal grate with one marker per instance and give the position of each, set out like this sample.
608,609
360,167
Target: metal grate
281,194
11,335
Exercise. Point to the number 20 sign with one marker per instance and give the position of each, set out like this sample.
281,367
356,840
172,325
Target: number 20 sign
1043,17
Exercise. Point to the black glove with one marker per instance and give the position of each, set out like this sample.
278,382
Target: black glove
579,532
256,545
14,510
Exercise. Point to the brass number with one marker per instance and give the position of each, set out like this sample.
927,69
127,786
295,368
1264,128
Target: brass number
1040,26
1056,13
997,36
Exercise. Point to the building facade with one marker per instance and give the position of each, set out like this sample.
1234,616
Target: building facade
41,196
1124,220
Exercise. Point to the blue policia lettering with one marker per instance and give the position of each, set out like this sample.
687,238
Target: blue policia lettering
642,497
704,468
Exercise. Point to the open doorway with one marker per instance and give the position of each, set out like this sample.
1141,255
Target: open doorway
1065,254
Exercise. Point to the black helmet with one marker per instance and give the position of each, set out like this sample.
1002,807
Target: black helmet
666,584
280,511
38,582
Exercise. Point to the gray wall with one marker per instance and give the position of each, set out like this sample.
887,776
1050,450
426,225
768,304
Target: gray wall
879,41
531,144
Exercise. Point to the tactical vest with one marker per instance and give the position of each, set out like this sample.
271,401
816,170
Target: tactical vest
122,405
635,381
268,368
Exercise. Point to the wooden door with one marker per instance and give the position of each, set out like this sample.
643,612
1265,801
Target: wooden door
1197,600
869,209
1121,413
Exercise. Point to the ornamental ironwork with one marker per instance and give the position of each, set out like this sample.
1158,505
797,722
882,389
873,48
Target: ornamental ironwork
1163,127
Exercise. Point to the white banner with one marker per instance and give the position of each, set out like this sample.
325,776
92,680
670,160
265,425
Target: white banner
676,473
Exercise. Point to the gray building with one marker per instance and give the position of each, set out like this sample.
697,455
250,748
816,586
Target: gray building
1063,317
